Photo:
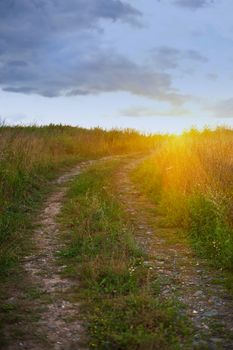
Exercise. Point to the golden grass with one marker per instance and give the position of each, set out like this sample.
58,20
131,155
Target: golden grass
191,177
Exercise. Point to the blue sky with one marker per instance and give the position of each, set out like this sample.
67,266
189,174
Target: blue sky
152,65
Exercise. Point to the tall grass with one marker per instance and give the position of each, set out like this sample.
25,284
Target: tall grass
29,156
191,178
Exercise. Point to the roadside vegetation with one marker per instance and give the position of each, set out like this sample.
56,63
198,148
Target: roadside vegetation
191,180
30,157
118,289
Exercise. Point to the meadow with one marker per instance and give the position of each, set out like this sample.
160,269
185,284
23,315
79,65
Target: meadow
30,157
190,178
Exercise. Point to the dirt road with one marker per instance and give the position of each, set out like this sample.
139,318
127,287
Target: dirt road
182,275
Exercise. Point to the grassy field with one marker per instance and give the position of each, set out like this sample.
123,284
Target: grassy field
191,180
189,177
120,293
30,157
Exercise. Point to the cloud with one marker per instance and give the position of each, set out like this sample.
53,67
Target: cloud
149,112
54,48
102,71
29,25
167,57
212,76
222,109
64,15
193,4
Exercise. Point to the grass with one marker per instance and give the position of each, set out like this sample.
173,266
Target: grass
190,179
30,157
119,292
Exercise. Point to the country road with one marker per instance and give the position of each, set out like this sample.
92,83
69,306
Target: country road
182,275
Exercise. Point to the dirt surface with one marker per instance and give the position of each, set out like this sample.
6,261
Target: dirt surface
182,275
58,326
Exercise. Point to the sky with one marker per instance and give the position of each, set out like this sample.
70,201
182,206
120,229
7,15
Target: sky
151,65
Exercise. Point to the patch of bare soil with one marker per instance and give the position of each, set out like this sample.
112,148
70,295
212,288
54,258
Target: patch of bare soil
58,325
182,275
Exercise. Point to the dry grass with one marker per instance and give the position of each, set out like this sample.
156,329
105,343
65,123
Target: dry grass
191,178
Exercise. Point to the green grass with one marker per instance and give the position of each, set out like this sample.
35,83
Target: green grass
210,231
119,293
16,227
30,157
28,192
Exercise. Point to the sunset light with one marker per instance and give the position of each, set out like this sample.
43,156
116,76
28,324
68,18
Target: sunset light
157,65
116,175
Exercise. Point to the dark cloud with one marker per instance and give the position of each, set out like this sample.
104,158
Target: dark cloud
64,15
170,58
29,24
54,48
101,72
193,4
